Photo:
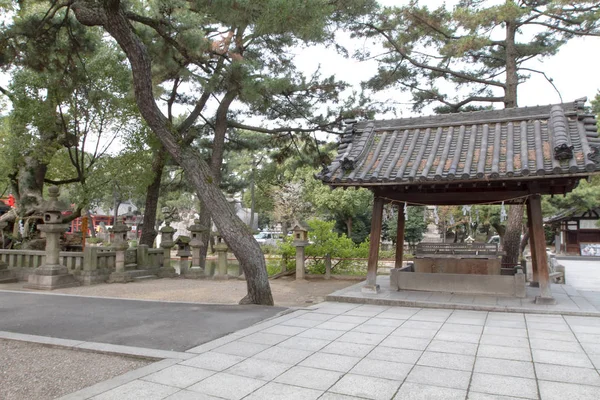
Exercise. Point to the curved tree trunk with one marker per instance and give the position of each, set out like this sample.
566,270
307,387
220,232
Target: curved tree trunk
152,194
238,237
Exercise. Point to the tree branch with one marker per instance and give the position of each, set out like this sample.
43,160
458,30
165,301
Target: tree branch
418,64
550,81
62,182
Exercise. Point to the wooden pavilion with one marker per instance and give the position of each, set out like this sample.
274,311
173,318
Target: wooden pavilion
512,156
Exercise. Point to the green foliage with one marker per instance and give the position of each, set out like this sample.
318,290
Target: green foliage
479,47
415,225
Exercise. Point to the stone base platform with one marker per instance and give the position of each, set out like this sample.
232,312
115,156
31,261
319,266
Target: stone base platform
569,301
468,284
51,282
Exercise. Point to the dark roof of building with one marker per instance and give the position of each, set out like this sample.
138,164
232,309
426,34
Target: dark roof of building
542,141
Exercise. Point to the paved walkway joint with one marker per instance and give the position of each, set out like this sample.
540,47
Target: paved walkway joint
351,351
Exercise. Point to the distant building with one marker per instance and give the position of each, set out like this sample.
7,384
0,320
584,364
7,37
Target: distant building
577,231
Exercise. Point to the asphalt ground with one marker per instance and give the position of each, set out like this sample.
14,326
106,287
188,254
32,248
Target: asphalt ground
151,324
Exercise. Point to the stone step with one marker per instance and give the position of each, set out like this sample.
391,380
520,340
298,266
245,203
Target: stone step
144,278
135,273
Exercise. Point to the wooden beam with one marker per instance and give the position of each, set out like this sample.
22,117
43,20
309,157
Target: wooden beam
453,198
400,236
537,225
375,239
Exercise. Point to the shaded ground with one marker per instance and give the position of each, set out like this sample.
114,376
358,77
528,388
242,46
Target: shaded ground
150,324
31,371
286,291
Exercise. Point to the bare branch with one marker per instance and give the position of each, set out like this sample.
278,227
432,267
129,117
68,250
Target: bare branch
550,80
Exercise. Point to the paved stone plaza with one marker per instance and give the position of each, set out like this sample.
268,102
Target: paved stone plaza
347,351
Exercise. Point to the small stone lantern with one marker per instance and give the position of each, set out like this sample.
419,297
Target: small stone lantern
6,275
52,275
167,243
221,249
195,271
119,245
129,221
300,242
183,252
300,234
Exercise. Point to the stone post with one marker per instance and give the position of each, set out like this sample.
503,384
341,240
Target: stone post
221,249
184,253
142,256
51,274
6,275
195,271
327,266
90,273
167,243
119,245
300,242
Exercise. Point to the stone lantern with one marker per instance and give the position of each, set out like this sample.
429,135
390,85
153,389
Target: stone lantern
300,234
167,232
119,245
51,274
196,271
300,242
221,249
183,252
129,221
6,275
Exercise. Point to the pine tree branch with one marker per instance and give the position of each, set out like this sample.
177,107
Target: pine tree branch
7,93
433,68
586,32
323,128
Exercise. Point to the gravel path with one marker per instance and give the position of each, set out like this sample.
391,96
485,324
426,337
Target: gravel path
286,292
31,371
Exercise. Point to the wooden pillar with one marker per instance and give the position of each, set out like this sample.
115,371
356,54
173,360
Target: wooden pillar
371,286
400,236
539,242
534,270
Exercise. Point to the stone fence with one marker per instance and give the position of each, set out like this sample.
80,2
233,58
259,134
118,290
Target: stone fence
93,265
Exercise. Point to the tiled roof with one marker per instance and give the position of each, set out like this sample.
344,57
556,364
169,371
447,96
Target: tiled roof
553,140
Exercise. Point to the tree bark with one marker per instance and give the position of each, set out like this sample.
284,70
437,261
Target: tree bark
512,236
152,195
514,225
349,227
216,162
198,173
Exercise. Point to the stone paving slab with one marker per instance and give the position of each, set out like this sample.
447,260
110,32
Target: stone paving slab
569,300
460,355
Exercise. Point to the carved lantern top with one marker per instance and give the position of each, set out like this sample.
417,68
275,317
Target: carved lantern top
53,207
300,234
120,236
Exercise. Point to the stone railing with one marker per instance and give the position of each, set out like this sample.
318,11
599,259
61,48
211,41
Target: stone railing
93,265
155,257
22,261
73,260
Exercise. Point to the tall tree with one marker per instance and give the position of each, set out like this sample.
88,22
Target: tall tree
69,97
481,48
226,43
